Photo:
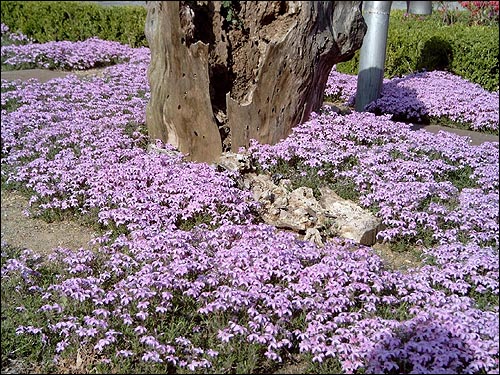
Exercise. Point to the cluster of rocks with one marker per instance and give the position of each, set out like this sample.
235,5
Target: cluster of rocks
300,211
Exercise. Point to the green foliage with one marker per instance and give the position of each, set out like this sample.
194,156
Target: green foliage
460,178
229,10
397,312
487,301
477,55
46,21
446,121
199,219
430,58
329,365
19,307
345,188
11,104
417,43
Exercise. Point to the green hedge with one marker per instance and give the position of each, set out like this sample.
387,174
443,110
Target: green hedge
46,21
417,43
414,43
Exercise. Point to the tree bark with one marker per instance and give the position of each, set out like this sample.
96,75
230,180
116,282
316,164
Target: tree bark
223,73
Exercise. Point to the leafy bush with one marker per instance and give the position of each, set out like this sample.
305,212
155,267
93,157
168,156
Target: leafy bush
416,43
477,59
47,21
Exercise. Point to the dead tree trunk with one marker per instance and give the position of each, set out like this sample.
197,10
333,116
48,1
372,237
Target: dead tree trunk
223,73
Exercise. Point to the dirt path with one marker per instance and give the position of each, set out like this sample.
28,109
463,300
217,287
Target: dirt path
45,75
476,138
18,230
42,75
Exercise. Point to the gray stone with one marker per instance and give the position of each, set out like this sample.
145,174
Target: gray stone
153,148
350,220
300,211
313,235
234,162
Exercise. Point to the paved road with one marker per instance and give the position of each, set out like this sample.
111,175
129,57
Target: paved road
109,3
450,4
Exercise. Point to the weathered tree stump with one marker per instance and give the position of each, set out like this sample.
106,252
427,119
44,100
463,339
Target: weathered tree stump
220,76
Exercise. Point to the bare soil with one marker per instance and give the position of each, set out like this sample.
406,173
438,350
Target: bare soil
45,75
21,231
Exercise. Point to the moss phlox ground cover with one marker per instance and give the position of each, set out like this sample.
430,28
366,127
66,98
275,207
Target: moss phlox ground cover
185,278
425,96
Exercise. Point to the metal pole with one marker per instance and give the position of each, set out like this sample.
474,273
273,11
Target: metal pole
372,53
419,7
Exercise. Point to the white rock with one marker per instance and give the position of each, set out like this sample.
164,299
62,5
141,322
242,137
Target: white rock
300,211
350,220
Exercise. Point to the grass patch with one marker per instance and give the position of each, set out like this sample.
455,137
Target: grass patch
327,366
400,255
11,105
459,177
19,307
486,301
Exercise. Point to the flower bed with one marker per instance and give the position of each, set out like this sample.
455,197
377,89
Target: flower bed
427,96
184,277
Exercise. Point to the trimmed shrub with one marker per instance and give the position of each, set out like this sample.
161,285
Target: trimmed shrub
46,21
415,44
